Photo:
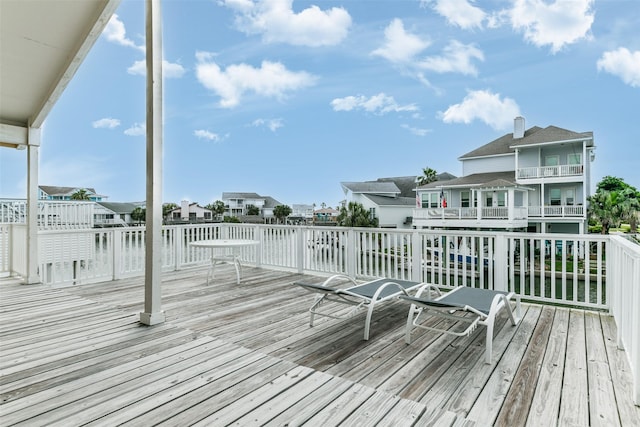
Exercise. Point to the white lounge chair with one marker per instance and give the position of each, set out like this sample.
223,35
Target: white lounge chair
462,304
368,294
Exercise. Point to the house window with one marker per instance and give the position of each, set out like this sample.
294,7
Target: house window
430,200
569,197
551,161
502,198
488,200
574,159
372,213
464,199
555,197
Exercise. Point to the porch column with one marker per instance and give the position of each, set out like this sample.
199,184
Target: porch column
33,147
153,245
479,209
511,204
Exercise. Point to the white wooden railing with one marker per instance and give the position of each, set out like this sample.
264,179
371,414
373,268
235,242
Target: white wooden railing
587,271
549,171
52,214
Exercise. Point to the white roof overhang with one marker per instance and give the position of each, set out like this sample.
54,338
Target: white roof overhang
42,44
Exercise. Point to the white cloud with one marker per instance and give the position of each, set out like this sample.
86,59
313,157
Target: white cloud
137,129
459,12
169,70
622,63
416,131
456,58
556,23
115,32
276,21
272,79
107,122
400,46
272,124
485,106
205,134
377,104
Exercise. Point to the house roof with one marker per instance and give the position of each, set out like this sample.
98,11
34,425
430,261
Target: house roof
406,185
232,195
270,202
535,135
391,201
65,191
476,180
120,207
371,187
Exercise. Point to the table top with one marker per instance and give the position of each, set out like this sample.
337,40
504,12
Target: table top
223,243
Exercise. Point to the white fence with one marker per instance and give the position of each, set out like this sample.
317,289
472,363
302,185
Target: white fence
587,271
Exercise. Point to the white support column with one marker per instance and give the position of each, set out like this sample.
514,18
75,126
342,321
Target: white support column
33,147
153,260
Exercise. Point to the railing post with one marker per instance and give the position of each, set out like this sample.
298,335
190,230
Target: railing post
501,260
351,253
300,249
416,257
116,252
178,245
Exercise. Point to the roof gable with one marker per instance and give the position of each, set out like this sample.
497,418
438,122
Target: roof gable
502,145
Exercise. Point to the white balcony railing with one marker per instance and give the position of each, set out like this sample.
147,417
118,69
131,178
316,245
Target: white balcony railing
549,171
52,214
586,271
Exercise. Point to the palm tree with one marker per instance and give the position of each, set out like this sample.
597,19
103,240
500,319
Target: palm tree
80,194
428,175
355,215
281,212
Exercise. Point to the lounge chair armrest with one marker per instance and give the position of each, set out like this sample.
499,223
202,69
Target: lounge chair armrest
339,276
427,287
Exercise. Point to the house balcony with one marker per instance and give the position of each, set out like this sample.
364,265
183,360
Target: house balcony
488,217
493,217
538,172
244,353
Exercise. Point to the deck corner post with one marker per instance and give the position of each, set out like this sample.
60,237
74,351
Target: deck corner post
501,274
153,245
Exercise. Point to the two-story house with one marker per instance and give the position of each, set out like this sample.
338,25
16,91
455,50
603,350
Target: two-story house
189,212
49,192
237,204
536,180
391,200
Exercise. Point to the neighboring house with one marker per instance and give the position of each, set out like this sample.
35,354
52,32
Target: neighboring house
237,203
189,213
325,216
115,214
535,180
391,200
47,192
301,214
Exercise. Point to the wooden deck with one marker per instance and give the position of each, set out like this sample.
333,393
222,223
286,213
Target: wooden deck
245,355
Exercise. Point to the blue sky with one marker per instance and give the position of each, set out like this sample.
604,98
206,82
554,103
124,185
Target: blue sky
289,98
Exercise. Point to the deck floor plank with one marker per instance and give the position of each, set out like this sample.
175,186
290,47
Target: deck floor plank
245,354
603,410
545,404
574,402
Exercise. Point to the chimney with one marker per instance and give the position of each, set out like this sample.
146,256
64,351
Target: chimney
518,127
184,210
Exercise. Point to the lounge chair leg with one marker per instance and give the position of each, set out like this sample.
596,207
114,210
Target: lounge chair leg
489,342
367,323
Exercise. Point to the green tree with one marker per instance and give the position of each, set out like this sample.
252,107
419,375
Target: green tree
281,212
428,175
613,202
355,215
217,208
167,208
139,214
253,210
233,219
80,194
